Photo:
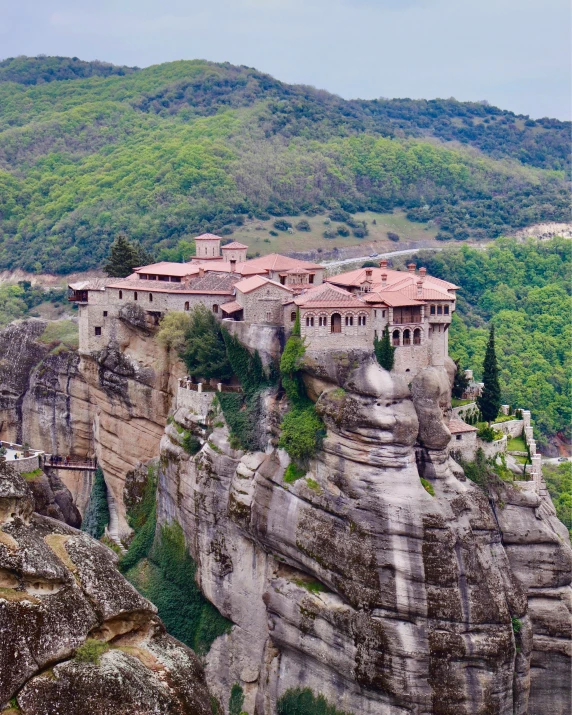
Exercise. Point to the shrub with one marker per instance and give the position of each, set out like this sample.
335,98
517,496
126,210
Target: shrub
301,431
293,473
273,233
516,625
91,651
343,231
236,700
329,233
360,232
427,486
173,330
487,434
393,236
282,225
384,350
303,225
339,215
96,516
191,444
204,352
302,701
369,264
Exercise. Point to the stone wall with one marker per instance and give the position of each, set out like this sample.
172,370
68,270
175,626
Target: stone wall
263,305
466,444
195,402
491,449
26,464
462,410
512,428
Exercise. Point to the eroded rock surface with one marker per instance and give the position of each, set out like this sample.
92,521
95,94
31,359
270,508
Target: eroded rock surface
52,498
59,587
354,580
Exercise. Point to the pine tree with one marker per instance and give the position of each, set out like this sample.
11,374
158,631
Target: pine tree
489,401
461,382
384,350
124,256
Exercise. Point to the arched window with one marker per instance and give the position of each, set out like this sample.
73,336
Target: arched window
187,305
135,295
322,321
361,319
215,308
439,310
336,324
407,337
396,337
150,297
309,321
417,336
292,316
349,320
120,295
446,310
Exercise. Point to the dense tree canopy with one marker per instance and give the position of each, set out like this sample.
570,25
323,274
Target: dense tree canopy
173,150
524,289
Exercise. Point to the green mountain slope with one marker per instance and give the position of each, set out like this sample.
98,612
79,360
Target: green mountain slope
179,148
524,289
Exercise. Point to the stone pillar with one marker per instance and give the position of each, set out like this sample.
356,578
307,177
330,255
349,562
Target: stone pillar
219,386
532,446
505,409
526,418
200,387
528,434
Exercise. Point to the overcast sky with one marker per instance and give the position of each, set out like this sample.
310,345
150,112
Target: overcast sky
514,53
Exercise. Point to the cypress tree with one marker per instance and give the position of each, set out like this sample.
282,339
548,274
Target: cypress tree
384,350
461,382
124,256
489,401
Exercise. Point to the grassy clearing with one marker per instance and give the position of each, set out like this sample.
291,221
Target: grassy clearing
516,444
256,234
459,403
61,332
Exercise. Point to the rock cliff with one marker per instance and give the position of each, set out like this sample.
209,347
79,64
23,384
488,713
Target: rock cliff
385,593
81,639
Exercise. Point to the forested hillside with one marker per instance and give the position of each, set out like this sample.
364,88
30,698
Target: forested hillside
88,150
524,289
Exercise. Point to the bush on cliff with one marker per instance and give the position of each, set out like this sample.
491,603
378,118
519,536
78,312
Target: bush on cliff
173,330
204,351
96,516
302,701
302,428
384,350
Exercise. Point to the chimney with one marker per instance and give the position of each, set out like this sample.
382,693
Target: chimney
419,288
232,266
411,267
201,271
383,280
383,263
422,273
368,274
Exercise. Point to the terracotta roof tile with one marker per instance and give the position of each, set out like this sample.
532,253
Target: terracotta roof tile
328,296
232,307
249,284
458,426
207,237
233,245
168,268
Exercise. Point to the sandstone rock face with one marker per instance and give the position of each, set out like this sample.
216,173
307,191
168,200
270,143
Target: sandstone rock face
59,587
43,399
52,498
130,386
354,580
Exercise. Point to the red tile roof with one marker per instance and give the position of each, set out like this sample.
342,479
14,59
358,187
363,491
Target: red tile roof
249,284
393,278
169,268
207,237
328,296
275,262
458,426
394,299
232,307
233,245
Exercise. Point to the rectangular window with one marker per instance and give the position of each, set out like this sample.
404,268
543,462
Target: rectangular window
446,310
439,310
105,314
322,321
383,313
164,278
375,313
432,310
458,436
98,331
311,278
268,316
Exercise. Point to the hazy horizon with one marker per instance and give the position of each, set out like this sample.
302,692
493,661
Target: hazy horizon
514,55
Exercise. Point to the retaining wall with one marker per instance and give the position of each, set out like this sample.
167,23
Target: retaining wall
513,428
